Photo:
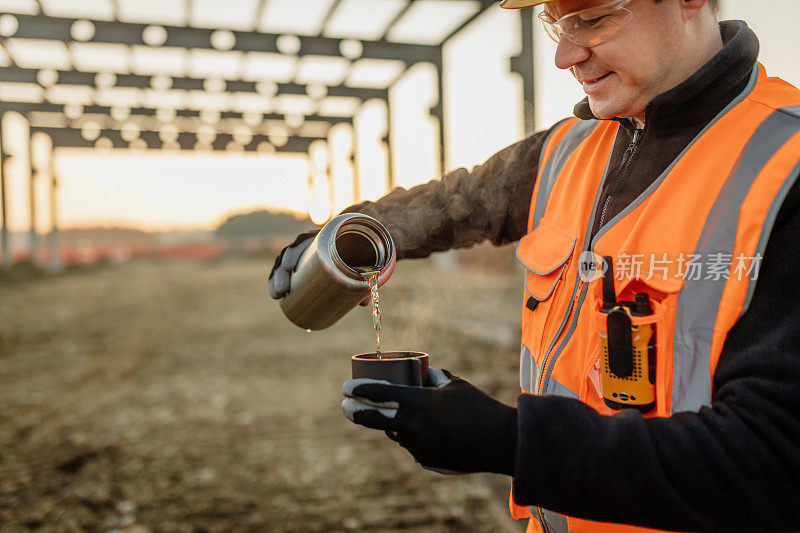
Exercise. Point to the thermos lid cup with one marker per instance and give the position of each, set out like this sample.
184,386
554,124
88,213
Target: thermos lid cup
401,368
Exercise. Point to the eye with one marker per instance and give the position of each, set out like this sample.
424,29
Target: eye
588,23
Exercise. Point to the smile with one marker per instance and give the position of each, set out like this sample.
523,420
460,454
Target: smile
592,85
595,80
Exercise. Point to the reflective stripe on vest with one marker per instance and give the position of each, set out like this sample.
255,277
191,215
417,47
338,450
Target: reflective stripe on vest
699,301
530,374
553,522
528,371
772,215
578,133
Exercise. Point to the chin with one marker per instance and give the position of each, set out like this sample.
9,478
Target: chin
604,109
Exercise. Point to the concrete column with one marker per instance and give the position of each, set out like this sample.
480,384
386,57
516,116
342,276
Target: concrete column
33,239
4,244
56,262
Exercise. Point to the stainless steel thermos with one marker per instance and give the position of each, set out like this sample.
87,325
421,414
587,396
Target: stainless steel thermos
328,281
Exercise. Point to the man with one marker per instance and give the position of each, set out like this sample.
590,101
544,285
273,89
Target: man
686,156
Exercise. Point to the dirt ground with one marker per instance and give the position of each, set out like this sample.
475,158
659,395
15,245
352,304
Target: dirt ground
176,397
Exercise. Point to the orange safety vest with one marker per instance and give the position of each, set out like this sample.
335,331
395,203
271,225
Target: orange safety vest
692,241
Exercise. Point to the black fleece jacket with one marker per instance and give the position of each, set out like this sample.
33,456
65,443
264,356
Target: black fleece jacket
732,467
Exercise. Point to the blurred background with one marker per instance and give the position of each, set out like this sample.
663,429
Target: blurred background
155,156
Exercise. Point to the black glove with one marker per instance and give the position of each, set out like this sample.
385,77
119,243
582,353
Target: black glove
453,427
286,262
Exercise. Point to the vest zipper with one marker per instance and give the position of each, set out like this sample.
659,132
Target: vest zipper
553,349
627,157
559,337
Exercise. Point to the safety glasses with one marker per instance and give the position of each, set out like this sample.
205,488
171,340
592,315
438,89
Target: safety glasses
588,27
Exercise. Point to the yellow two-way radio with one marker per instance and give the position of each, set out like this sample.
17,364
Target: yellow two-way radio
628,351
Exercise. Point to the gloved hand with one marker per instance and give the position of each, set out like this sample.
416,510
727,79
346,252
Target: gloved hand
449,427
286,262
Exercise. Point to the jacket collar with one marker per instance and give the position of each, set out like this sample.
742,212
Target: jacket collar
701,97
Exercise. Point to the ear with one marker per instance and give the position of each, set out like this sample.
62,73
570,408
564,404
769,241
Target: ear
690,8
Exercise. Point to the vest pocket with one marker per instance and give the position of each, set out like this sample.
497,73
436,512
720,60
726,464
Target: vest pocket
644,382
545,253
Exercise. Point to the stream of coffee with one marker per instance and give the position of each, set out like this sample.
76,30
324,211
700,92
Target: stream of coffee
372,279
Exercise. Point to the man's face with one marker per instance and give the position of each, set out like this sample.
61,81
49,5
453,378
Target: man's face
623,74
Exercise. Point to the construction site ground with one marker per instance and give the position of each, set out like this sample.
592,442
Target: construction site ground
175,396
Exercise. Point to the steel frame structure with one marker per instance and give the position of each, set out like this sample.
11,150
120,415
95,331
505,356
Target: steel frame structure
41,26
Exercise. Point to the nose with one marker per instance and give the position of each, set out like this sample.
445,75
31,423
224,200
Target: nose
569,54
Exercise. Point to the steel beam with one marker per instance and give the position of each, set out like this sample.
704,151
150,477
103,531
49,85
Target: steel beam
485,5
329,15
26,108
522,64
75,77
73,138
399,15
115,8
54,28
259,13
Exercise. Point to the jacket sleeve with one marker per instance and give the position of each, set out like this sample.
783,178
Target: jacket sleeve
732,467
465,207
